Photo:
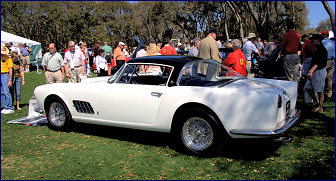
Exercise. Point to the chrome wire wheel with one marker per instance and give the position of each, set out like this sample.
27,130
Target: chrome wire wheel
197,133
57,114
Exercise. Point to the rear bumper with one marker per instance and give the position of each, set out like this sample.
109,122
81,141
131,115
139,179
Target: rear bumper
289,123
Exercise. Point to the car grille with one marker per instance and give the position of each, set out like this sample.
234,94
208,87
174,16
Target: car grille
83,107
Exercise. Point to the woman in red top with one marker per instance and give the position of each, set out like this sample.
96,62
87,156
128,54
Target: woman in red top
236,60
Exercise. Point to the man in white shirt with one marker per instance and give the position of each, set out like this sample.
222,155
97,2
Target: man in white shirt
248,49
74,63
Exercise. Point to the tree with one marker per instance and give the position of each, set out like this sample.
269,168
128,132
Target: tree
323,26
114,21
330,13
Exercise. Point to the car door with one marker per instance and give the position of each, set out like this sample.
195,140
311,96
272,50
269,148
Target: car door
129,101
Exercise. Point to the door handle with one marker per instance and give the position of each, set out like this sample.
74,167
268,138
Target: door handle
158,94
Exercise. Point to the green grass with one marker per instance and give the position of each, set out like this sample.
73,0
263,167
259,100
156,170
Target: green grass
99,152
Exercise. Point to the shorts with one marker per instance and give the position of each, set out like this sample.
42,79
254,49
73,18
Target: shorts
25,60
317,82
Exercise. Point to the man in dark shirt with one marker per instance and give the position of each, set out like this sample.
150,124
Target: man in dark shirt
317,73
290,45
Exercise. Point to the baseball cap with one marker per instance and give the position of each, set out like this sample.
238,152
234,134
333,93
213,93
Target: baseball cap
325,33
121,43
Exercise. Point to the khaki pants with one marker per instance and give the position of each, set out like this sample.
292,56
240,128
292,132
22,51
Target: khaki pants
75,74
53,77
248,69
25,60
330,73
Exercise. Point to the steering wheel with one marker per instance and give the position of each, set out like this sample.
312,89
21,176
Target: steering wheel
137,81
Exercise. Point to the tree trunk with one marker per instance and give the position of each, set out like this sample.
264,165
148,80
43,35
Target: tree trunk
331,14
234,8
225,22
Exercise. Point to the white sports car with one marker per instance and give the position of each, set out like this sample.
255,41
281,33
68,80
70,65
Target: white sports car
200,102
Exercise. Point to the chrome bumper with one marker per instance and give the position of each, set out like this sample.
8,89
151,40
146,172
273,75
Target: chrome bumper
290,121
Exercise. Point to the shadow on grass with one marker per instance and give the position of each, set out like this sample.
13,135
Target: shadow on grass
315,123
316,170
123,134
256,149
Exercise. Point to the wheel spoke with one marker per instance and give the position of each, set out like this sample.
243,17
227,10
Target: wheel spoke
197,133
57,114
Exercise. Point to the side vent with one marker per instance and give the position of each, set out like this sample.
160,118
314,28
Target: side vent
83,107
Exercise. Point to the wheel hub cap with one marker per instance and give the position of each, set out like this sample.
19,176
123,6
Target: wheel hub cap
57,114
197,133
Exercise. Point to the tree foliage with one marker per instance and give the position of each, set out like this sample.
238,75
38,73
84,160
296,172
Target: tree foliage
114,21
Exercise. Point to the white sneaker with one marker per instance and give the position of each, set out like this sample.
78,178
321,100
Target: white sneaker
7,111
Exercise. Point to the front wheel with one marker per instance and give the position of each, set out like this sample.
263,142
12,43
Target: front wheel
58,115
198,132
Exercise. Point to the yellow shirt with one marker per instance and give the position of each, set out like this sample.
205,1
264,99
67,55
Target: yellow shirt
6,63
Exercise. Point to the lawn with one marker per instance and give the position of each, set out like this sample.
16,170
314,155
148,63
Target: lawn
99,152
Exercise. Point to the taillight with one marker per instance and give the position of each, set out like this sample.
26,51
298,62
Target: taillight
279,101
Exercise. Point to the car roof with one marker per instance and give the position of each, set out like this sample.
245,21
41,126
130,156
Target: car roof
172,60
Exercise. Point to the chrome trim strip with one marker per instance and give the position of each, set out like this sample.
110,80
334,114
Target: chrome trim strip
290,121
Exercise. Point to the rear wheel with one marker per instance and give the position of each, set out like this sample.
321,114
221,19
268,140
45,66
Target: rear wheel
198,132
58,115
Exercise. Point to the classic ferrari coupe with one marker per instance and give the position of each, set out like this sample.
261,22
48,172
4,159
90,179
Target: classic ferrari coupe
200,102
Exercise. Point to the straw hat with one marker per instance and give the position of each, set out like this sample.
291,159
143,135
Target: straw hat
251,35
4,49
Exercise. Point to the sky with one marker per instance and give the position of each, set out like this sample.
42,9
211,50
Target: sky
317,13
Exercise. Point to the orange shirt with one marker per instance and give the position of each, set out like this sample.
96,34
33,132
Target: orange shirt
6,63
168,50
119,54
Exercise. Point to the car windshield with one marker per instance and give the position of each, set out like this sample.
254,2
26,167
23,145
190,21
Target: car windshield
114,77
206,73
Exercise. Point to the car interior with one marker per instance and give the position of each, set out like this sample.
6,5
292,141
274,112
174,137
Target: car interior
146,75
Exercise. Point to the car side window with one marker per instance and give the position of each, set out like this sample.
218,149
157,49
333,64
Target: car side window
145,74
126,76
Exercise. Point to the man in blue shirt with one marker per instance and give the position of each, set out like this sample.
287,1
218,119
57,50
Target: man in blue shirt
25,52
330,46
248,49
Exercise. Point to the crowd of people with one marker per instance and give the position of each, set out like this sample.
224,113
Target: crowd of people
314,53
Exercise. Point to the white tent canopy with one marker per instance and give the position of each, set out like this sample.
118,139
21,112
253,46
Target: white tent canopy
8,37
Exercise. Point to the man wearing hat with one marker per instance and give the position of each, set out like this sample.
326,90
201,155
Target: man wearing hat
290,45
119,55
317,73
249,48
330,46
6,80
